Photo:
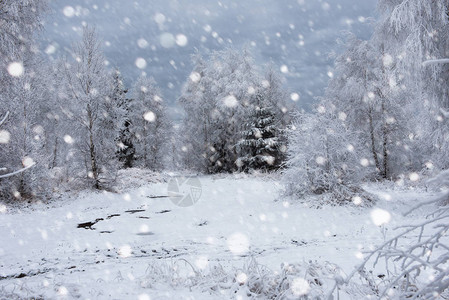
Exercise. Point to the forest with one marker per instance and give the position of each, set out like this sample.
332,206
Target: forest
77,144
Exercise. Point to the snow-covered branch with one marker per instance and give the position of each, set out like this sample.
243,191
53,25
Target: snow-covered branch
16,172
4,118
436,62
427,251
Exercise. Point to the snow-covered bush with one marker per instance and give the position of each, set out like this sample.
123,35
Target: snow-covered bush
325,158
133,178
309,280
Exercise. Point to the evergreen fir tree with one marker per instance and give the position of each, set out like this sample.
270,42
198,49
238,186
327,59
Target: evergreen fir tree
261,146
126,149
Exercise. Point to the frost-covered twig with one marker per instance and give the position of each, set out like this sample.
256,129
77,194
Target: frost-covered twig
426,252
17,172
4,118
436,62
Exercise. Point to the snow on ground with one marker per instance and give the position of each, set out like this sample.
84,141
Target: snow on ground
44,253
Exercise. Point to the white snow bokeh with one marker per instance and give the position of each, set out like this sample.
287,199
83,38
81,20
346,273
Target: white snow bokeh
160,18
414,176
320,160
27,161
300,287
144,297
284,69
150,116
195,77
141,63
238,243
387,60
142,43
241,278
68,139
144,228
181,40
202,262
357,200
125,251
16,69
51,49
230,101
295,97
69,11
364,162
5,137
167,40
380,217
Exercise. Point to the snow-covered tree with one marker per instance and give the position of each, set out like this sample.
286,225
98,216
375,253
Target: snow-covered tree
19,20
55,91
373,106
274,95
263,141
261,145
197,118
89,109
218,98
23,86
28,127
149,124
324,158
410,32
230,83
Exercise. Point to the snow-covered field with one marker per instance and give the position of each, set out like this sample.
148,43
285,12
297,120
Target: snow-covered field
139,234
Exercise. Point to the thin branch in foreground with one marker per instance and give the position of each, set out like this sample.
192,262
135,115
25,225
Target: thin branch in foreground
16,172
436,62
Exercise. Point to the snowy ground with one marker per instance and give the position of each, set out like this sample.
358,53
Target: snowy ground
44,254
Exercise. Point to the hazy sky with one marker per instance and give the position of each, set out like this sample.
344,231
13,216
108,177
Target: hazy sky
159,36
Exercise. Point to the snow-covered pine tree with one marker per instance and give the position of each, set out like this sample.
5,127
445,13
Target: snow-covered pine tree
126,149
260,147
